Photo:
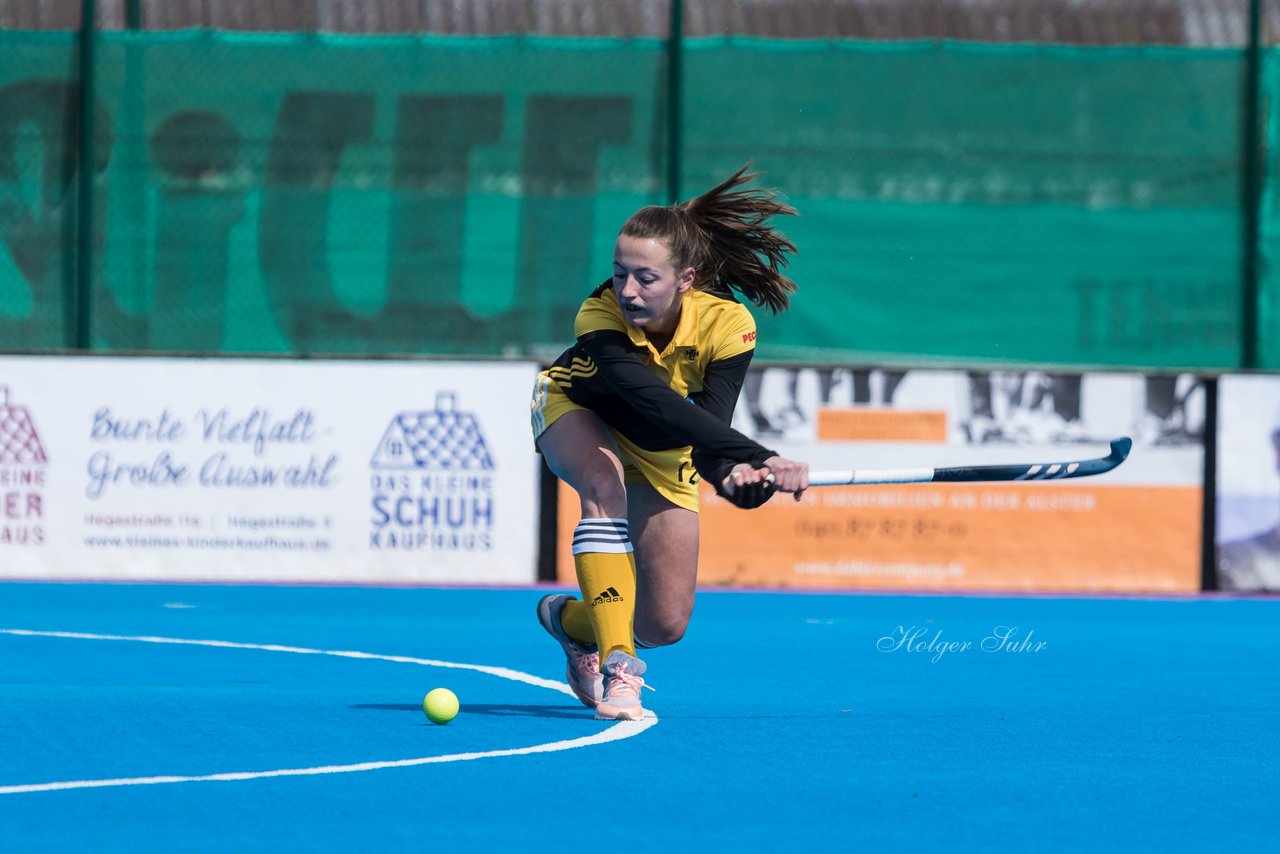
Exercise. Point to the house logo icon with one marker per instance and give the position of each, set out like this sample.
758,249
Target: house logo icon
19,441
433,483
22,473
440,439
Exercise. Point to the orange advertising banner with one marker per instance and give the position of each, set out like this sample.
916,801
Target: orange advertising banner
960,537
886,425
970,537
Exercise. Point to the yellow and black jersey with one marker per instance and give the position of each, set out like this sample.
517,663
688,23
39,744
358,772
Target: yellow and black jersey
615,371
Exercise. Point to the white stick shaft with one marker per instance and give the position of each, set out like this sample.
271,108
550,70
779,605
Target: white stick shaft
853,476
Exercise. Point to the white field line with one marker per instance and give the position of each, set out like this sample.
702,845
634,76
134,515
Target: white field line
616,732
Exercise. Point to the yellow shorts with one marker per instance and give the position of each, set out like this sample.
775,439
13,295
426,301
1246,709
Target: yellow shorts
671,472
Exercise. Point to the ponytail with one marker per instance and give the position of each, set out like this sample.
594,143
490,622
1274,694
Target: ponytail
726,236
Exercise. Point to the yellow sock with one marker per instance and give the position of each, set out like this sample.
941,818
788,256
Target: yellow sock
575,619
607,575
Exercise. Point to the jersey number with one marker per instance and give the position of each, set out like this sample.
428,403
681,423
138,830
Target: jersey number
693,473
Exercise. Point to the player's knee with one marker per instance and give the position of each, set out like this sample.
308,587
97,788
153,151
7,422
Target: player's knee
662,632
652,639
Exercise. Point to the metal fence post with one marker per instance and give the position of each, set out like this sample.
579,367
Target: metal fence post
675,106
81,302
1251,191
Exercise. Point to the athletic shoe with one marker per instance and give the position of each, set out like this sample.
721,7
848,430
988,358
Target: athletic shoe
583,669
622,684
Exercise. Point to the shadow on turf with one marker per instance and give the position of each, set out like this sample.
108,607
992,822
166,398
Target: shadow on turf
532,710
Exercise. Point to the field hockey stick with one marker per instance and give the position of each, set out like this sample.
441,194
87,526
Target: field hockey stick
1017,471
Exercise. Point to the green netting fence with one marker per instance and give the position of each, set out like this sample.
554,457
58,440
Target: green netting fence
294,194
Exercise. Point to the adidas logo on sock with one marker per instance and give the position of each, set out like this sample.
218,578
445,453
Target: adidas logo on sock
610,595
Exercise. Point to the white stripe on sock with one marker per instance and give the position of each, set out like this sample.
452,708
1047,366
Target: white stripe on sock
607,536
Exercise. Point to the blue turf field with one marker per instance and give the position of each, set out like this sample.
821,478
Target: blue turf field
1140,724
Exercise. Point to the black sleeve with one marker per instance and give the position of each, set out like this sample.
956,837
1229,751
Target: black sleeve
721,386
630,378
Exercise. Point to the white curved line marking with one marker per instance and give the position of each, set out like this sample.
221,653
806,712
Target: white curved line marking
617,732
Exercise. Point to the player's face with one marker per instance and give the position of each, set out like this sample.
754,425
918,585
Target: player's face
648,285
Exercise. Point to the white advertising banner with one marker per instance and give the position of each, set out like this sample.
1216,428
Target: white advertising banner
1248,510
266,470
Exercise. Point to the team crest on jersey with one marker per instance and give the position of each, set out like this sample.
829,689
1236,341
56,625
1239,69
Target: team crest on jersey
691,354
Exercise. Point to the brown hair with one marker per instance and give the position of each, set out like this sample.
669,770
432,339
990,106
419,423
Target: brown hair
725,235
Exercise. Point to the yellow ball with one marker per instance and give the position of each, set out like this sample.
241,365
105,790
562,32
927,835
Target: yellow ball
440,705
